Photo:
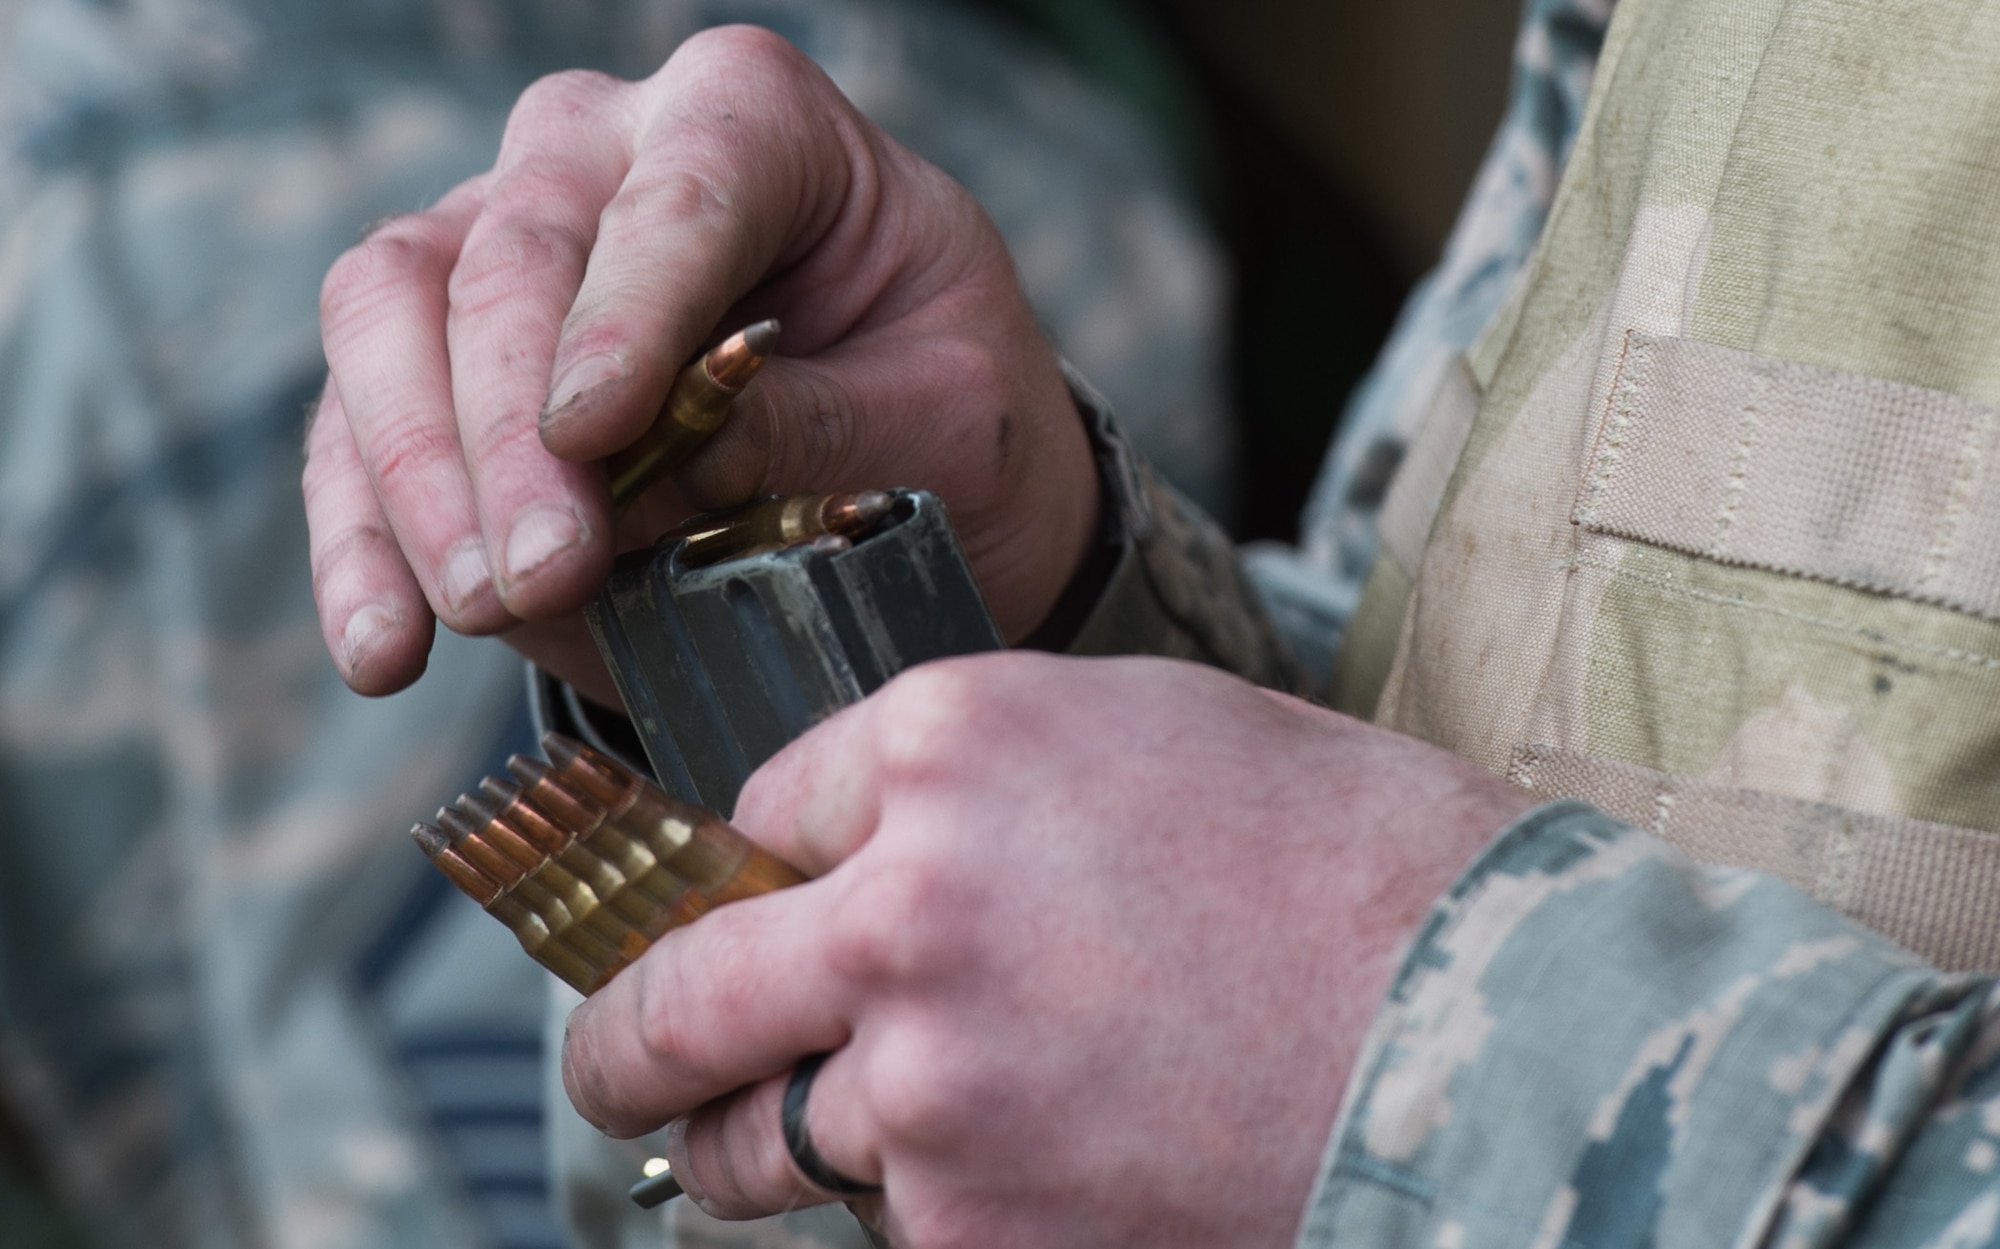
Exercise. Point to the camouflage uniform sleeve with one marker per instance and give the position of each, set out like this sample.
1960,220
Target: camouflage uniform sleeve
1597,1042
1175,587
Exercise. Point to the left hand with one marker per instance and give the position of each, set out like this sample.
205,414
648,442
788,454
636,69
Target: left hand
1094,943
451,471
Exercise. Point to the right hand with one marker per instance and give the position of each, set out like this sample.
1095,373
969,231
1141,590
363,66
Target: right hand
486,353
1094,943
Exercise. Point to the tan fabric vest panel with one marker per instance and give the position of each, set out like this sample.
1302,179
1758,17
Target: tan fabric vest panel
1727,514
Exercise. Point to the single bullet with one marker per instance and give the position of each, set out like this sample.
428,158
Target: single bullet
774,524
501,836
494,863
594,775
573,811
537,829
853,514
472,882
696,406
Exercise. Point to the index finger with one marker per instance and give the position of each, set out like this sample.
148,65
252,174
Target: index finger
382,314
727,1001
747,159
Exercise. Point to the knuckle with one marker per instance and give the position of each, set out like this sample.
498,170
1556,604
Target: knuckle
929,714
388,260
741,46
671,1005
980,372
977,367
558,99
673,197
408,454
336,555
505,452
661,1033
517,253
906,922
921,1080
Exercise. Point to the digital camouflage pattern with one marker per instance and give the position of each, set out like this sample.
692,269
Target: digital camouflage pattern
235,1008
1598,1042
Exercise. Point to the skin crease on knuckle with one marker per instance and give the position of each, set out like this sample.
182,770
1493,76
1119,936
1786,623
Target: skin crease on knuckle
369,279
513,253
407,459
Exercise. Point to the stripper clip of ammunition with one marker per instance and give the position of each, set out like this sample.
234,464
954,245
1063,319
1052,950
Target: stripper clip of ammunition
588,862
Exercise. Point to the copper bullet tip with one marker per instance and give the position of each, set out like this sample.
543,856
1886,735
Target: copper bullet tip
430,840
853,514
737,358
587,772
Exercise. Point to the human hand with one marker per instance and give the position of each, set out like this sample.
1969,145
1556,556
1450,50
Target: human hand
485,354
1094,943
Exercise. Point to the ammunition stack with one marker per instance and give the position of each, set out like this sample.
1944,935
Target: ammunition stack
588,862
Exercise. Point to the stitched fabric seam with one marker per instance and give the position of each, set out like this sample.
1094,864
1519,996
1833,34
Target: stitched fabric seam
1969,604
1949,653
1972,452
1739,466
1618,417
1841,848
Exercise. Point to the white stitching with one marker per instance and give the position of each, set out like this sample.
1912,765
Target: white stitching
1739,465
1618,418
1978,432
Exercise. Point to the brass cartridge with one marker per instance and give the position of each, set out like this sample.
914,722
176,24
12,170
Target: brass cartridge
611,845
696,406
773,524
540,920
527,926
588,862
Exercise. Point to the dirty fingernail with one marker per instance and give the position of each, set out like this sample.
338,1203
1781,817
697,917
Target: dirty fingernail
540,533
585,375
465,574
366,630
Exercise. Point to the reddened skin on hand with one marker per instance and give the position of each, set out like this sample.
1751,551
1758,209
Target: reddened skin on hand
1093,943
489,352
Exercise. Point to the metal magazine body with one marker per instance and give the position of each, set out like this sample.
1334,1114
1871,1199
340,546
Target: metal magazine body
720,666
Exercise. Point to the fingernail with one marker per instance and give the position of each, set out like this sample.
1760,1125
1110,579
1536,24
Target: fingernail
586,374
465,574
539,534
366,629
